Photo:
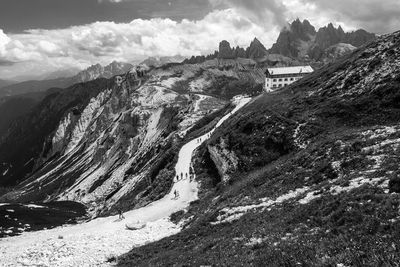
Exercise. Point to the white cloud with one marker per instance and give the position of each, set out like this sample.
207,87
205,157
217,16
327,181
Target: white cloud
237,21
268,13
373,15
107,41
4,40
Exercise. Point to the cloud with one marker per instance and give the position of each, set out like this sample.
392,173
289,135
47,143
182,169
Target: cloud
237,21
268,13
373,15
4,40
6,63
103,42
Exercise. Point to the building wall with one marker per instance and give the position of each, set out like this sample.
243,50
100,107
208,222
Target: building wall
273,83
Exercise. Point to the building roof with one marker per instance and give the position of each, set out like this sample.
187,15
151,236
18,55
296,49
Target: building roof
290,70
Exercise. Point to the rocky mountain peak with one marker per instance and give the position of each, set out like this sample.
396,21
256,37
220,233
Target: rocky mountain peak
256,49
98,71
300,40
303,30
225,51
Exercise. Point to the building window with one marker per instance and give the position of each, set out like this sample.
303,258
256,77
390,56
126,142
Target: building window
280,80
274,86
285,84
274,80
280,85
291,79
286,79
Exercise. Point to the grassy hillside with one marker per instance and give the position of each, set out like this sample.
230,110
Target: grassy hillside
312,176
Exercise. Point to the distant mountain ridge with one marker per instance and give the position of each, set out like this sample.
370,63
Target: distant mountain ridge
98,71
89,74
5,83
159,61
300,40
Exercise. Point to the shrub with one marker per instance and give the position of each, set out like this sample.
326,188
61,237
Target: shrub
394,183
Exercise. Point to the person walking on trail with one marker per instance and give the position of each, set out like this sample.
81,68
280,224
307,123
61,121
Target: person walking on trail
120,214
176,194
181,175
186,175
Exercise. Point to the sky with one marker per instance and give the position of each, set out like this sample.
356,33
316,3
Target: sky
38,37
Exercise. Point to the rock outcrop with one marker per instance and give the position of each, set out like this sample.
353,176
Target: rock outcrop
301,41
225,51
225,160
256,50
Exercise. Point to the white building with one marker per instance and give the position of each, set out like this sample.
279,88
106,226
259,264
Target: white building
281,77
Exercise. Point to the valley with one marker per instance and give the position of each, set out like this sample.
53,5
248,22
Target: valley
101,239
192,162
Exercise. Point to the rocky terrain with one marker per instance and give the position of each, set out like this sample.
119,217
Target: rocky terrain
298,43
112,144
160,61
17,99
301,41
307,175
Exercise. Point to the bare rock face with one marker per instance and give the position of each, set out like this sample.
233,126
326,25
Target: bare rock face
225,160
290,38
256,50
97,71
300,40
225,50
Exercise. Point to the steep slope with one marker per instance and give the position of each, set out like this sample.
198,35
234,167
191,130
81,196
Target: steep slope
104,238
27,135
256,50
112,145
307,175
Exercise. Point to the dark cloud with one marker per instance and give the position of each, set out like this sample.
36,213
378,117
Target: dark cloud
20,15
4,62
379,16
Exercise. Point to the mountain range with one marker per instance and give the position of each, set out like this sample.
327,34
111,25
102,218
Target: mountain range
300,40
298,43
307,175
91,73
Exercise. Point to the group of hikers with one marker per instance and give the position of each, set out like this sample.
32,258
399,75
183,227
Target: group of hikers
182,176
200,139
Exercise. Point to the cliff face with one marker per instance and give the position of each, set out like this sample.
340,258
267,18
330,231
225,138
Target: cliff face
300,40
225,160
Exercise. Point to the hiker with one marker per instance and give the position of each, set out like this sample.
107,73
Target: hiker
177,178
186,175
176,194
181,175
120,215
